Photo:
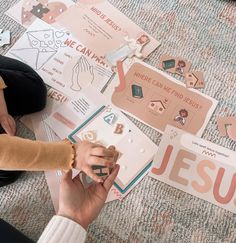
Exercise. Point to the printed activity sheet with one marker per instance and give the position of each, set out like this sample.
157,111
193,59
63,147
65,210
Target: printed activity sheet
25,12
95,120
74,67
64,63
111,34
196,166
38,44
157,99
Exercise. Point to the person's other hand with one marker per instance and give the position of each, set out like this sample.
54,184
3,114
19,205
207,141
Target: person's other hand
8,123
81,204
88,154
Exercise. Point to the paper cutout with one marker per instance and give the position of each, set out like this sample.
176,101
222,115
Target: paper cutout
163,98
174,64
110,119
130,48
101,171
121,75
196,166
194,80
119,128
227,126
5,37
25,12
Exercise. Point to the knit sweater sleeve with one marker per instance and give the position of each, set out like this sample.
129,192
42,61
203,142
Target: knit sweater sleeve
61,230
24,154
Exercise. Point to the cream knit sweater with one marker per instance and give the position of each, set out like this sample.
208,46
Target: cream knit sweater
62,230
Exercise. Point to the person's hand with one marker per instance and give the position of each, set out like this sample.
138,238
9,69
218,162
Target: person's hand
83,205
88,154
8,123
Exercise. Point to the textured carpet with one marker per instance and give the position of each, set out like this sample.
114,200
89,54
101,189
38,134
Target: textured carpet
203,32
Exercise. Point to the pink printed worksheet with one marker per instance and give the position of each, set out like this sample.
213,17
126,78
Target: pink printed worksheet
111,34
158,99
196,166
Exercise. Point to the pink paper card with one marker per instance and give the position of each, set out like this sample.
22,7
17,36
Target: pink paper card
25,12
157,99
196,166
174,64
109,32
227,126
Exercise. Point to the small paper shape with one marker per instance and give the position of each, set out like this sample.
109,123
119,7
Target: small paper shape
100,171
174,64
90,136
168,64
227,127
110,119
194,80
137,91
5,37
119,128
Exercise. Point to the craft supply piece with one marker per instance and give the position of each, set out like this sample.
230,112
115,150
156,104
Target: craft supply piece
25,12
194,80
158,99
5,37
227,126
196,166
174,64
101,171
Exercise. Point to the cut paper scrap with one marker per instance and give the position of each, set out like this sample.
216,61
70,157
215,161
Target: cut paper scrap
194,80
174,64
25,12
121,75
227,127
196,166
5,37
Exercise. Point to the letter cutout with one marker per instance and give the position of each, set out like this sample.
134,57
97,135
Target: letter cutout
119,128
166,158
216,189
180,164
206,187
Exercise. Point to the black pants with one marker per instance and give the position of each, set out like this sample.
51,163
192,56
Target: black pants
8,234
25,93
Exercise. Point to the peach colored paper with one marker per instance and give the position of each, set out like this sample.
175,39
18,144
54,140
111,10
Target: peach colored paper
101,26
227,126
157,99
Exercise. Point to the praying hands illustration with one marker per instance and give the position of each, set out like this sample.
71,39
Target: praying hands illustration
82,74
